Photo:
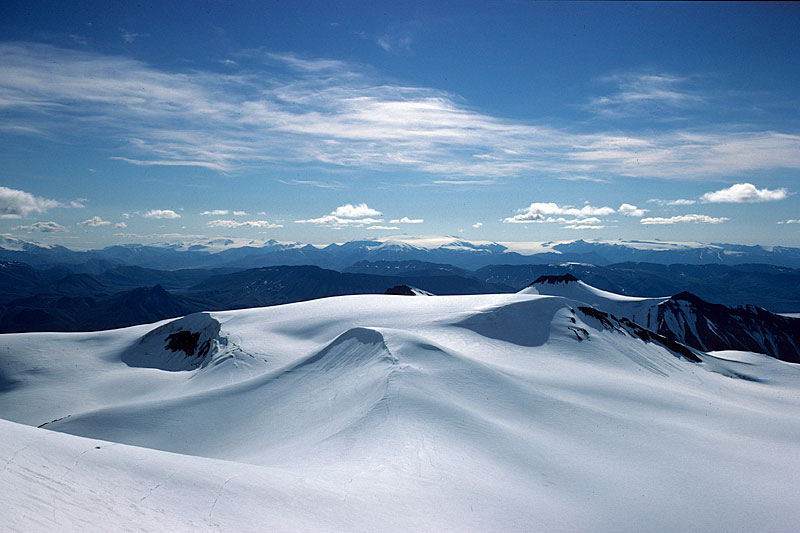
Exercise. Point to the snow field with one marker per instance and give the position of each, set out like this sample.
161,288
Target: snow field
489,412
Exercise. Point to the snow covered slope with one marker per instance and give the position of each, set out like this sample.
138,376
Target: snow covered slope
688,319
489,412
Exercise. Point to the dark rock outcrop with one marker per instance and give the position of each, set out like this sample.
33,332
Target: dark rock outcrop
406,290
710,327
552,280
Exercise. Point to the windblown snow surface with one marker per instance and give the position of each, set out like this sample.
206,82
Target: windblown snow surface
386,413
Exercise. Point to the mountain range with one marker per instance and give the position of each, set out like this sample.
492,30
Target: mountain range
56,299
243,254
706,306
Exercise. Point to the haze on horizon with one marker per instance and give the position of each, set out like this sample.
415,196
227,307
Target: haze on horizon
313,123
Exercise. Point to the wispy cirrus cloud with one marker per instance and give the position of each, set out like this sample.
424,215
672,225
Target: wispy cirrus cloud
211,165
637,92
583,178
313,183
331,113
459,182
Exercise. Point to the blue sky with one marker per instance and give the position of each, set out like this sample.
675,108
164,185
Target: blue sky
324,122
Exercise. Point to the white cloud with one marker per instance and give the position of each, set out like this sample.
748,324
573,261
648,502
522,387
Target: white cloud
129,36
680,201
95,222
464,182
683,154
15,203
583,178
239,213
263,224
355,211
406,220
309,66
383,227
744,193
161,213
172,163
790,221
684,219
215,212
631,210
347,215
582,226
395,42
384,43
542,211
317,111
121,225
586,220
79,39
639,92
337,222
477,225
43,227
126,215
313,183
